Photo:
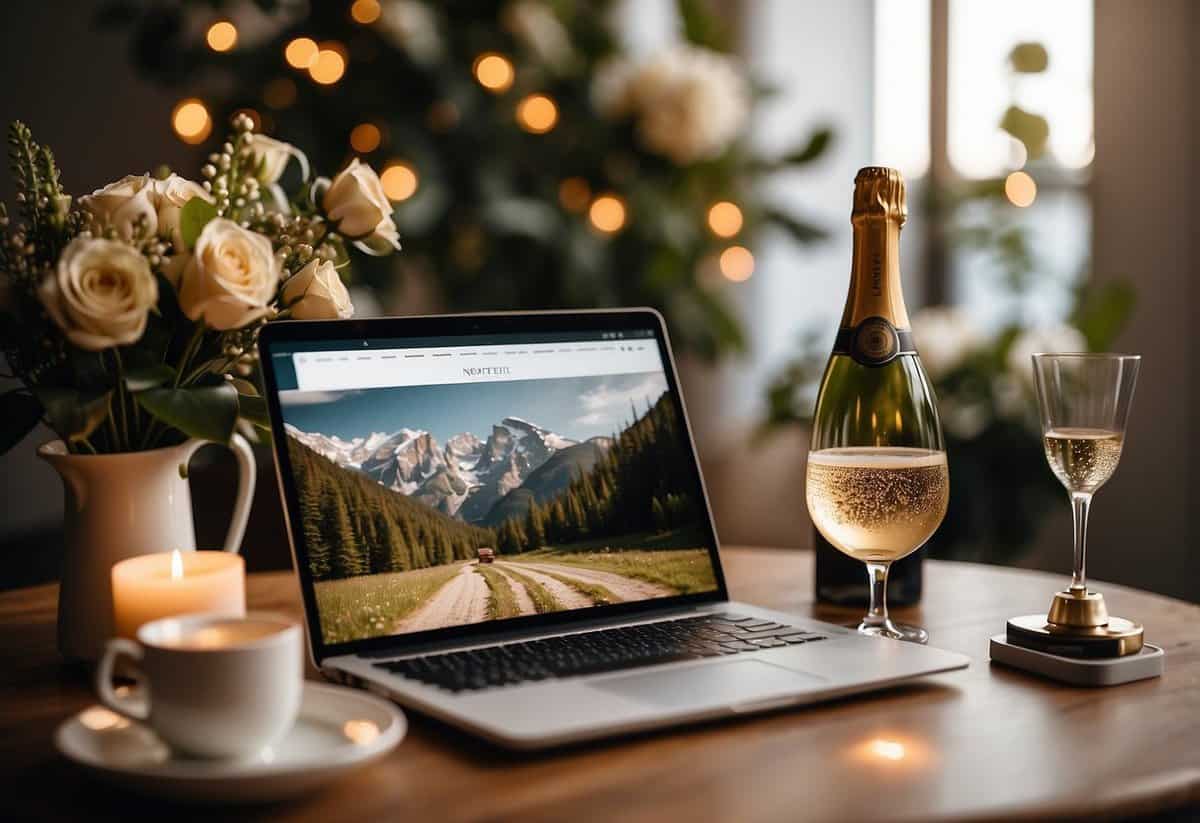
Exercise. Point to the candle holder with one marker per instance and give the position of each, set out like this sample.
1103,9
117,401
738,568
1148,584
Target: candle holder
1084,402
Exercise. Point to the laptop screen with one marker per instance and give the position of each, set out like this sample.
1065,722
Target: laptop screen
452,481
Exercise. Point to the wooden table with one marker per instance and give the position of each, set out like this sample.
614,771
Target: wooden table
985,743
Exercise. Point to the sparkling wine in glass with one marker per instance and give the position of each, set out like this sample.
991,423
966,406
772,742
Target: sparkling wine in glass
877,482
1084,401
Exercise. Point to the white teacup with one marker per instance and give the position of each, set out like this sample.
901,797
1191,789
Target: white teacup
212,685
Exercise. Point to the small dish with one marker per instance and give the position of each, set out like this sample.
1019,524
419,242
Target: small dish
338,730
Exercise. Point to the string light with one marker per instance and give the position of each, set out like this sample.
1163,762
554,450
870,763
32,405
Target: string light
574,194
737,264
191,121
607,213
365,11
537,114
399,181
280,93
1020,189
301,53
494,72
222,36
365,138
330,64
725,219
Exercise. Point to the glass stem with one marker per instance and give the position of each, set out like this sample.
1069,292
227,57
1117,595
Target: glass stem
877,574
1079,508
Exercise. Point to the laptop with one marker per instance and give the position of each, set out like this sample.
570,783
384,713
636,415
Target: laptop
499,521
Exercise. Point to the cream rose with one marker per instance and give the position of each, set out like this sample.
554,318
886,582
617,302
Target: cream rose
316,292
355,202
231,277
157,203
689,103
169,197
100,293
123,204
273,156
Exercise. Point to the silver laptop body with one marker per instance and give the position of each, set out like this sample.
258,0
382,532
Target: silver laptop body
831,662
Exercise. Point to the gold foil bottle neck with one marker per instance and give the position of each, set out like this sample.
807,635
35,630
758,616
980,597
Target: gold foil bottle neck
879,192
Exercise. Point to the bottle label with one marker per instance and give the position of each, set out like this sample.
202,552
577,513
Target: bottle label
874,342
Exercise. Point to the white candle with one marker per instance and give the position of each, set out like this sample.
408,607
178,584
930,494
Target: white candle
160,585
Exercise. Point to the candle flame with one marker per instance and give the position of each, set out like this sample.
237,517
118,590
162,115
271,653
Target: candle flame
176,565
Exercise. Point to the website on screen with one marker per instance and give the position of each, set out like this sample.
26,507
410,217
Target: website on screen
449,485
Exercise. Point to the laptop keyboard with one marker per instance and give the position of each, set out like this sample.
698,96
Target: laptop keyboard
605,650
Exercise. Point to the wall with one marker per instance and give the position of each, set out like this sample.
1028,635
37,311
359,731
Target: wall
1143,527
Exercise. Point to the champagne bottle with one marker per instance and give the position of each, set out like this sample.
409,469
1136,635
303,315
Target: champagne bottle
877,478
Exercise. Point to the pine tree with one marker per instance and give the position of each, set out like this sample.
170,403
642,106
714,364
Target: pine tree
535,528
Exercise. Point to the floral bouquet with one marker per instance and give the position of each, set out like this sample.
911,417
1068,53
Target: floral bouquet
130,315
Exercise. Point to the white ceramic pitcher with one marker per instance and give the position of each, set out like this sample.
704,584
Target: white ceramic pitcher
124,505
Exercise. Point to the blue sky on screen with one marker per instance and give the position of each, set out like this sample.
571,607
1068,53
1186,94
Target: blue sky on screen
575,407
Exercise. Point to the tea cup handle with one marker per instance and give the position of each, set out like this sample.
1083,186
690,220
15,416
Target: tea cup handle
247,478
135,708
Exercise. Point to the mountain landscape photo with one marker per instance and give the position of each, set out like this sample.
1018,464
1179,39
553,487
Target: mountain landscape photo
433,506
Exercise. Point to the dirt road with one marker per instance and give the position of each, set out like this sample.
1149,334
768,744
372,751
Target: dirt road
520,593
625,588
567,597
463,600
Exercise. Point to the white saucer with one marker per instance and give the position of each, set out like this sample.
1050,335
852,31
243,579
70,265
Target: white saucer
338,730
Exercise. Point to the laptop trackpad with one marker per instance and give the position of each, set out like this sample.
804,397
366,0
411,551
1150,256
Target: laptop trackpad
717,684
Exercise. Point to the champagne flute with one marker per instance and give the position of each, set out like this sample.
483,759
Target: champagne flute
877,481
1084,403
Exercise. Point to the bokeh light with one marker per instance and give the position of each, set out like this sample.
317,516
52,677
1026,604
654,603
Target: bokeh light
494,72
365,138
607,213
191,121
301,53
1020,189
365,11
574,194
399,181
737,264
537,114
329,66
725,219
222,36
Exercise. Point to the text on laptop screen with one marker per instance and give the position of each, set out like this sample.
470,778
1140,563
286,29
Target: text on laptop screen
488,478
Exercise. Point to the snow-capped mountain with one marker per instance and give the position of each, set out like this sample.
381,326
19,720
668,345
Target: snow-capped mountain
465,478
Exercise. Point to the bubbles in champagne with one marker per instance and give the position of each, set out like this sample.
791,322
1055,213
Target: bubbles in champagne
1083,458
877,503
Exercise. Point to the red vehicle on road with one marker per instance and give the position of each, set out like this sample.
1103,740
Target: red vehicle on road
487,555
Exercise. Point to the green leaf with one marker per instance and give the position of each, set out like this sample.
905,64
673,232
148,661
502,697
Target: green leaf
19,414
254,409
244,386
814,148
803,233
73,414
701,26
148,377
1031,129
1029,58
193,217
1103,311
205,412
